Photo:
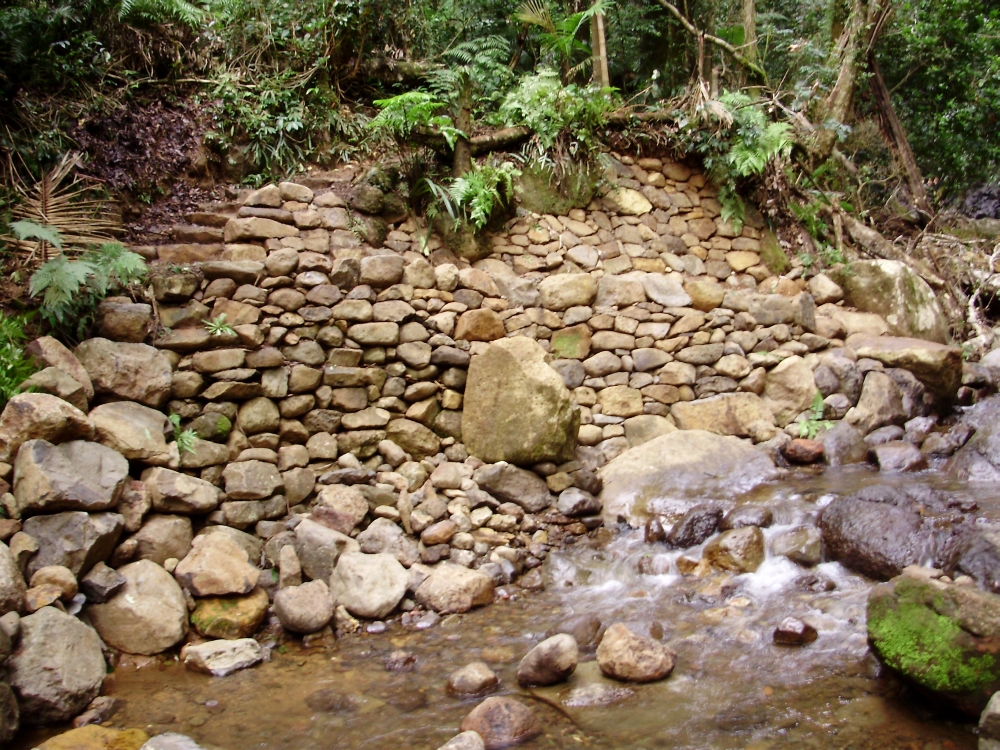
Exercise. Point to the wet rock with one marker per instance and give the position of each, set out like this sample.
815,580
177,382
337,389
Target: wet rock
989,725
747,515
898,456
30,416
510,484
57,669
794,632
368,585
936,634
171,741
74,539
803,451
625,656
173,492
231,617
129,372
842,445
92,737
149,614
740,550
137,432
73,476
694,464
502,722
575,502
12,585
454,589
550,662
877,531
979,459
216,566
803,545
881,404
472,679
464,741
101,583
695,526
221,658
304,609
319,548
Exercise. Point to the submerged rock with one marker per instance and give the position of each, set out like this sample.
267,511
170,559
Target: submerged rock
472,679
550,662
502,722
221,658
626,656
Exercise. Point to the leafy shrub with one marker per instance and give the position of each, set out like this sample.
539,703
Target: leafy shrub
219,327
401,114
551,110
15,368
474,197
71,290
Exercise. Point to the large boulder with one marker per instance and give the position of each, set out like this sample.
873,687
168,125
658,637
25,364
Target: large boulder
517,408
789,389
126,372
216,566
304,609
50,352
148,616
937,366
979,459
738,414
682,466
136,431
891,289
57,669
881,529
74,539
454,589
941,636
73,476
28,416
173,492
368,585
624,655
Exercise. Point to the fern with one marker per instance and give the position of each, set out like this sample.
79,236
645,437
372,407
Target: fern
810,427
59,281
30,230
161,11
478,67
475,196
401,114
219,327
185,439
15,368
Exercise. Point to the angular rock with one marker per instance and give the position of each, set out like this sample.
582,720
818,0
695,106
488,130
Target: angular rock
623,655
251,480
516,407
12,586
937,366
148,616
74,539
55,382
126,372
881,404
57,669
221,658
789,389
695,526
29,416
512,485
136,431
382,535
216,566
319,548
173,492
413,438
49,352
73,476
368,586
735,414
101,583
793,632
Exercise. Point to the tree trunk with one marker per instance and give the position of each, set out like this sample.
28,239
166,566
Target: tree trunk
463,121
895,136
749,15
599,44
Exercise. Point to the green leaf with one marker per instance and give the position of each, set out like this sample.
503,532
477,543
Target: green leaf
29,230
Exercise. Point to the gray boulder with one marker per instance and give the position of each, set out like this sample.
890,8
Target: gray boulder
126,372
368,585
510,484
75,540
173,492
57,668
163,537
147,616
319,547
136,431
304,609
382,535
73,476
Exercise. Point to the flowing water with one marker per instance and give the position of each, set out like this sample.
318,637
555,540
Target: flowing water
731,688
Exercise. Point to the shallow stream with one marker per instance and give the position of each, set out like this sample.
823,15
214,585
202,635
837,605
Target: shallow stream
731,688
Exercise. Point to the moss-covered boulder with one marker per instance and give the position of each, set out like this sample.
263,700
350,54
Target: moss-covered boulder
230,617
540,189
891,289
944,638
517,408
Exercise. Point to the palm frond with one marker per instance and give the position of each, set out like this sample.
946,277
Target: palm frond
536,13
66,203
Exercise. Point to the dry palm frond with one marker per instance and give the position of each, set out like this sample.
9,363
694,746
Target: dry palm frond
536,13
65,202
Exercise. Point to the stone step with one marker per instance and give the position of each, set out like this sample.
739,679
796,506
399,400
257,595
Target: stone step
209,218
189,252
189,233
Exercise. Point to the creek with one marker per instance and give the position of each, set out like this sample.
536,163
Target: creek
731,688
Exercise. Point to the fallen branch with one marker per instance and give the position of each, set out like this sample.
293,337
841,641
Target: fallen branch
484,143
875,244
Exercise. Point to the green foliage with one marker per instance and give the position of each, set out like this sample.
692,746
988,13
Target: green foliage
401,114
185,439
29,230
474,198
552,111
809,216
810,427
476,70
161,11
71,290
558,34
219,327
15,368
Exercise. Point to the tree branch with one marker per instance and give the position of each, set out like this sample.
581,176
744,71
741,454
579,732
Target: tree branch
721,43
